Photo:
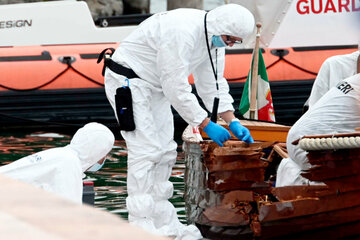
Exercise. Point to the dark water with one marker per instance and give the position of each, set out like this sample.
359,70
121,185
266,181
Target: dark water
109,182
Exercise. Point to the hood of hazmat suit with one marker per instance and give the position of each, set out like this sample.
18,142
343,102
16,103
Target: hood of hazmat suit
168,47
92,142
230,19
60,170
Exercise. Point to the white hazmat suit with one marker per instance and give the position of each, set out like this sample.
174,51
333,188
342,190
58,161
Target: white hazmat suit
60,170
163,51
338,111
332,71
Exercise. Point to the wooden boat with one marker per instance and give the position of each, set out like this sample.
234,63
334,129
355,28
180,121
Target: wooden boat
230,192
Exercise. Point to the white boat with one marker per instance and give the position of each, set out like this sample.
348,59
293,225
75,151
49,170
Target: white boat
48,57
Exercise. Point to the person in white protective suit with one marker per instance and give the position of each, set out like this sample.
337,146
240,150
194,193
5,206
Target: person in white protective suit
332,71
338,111
163,51
60,170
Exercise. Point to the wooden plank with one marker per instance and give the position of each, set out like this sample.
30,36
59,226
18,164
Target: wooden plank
239,185
330,225
237,154
204,198
250,123
281,150
235,165
298,192
235,197
317,157
254,146
229,180
344,184
268,135
321,173
277,152
225,216
303,207
232,158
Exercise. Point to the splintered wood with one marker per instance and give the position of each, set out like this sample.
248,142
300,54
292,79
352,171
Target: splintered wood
335,168
229,180
228,194
237,165
318,209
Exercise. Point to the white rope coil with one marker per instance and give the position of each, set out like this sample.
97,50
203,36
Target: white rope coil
310,144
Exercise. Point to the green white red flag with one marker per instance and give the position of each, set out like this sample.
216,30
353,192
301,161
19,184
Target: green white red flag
264,105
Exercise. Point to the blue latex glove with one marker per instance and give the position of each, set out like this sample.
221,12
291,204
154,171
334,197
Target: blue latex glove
240,132
217,133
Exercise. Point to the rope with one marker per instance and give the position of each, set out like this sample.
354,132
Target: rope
298,67
331,143
35,88
83,75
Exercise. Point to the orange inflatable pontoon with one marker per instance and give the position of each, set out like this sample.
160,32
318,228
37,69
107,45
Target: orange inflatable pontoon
74,66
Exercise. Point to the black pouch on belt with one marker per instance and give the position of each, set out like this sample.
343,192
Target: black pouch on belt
124,109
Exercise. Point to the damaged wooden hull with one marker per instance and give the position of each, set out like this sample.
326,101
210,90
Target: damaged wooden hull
229,195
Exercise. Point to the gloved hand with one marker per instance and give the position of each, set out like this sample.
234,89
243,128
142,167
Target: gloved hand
240,132
217,133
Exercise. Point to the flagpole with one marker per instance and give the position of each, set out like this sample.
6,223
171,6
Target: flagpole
254,74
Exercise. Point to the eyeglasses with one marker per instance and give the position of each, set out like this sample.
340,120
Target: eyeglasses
230,40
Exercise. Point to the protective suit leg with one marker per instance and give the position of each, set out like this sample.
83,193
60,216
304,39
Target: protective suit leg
164,214
289,174
298,155
151,156
142,152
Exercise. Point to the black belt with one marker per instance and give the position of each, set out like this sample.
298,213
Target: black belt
114,66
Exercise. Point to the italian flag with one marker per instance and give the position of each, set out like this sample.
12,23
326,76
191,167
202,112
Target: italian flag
264,104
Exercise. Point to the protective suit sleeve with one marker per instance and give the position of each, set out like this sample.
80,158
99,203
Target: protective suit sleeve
56,170
173,60
321,84
205,83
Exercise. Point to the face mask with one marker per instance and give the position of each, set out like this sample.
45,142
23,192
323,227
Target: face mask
96,167
217,41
